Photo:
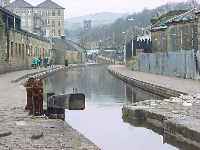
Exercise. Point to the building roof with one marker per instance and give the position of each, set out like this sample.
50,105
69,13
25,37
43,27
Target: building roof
174,17
49,4
20,4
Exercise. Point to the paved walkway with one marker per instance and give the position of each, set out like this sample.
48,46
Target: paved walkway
19,131
178,84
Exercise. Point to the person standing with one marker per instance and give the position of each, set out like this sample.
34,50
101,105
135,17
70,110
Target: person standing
51,63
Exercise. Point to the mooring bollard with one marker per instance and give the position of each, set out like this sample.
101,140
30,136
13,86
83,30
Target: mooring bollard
37,98
34,90
29,87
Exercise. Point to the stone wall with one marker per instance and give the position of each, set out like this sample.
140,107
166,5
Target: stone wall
73,57
18,48
180,36
67,50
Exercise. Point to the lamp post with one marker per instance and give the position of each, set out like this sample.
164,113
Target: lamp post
132,36
124,47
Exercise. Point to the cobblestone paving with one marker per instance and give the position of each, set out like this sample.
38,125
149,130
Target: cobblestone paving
19,131
178,84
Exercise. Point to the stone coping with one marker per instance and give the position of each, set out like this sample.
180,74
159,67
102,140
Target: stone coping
174,119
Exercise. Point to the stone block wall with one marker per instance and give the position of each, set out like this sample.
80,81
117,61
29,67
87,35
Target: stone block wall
18,48
180,36
73,57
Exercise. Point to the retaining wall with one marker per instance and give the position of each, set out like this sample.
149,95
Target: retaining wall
184,131
155,89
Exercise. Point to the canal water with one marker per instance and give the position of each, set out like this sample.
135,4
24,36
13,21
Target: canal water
101,121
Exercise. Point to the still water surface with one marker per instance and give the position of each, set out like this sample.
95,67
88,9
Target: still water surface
102,121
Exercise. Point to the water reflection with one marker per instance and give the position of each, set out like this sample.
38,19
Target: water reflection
167,138
102,121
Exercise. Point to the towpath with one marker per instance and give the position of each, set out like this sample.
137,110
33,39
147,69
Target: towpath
19,131
187,86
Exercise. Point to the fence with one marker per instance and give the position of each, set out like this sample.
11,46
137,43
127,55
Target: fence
185,64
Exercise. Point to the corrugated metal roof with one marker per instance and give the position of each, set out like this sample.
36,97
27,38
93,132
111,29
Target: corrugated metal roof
20,4
49,4
176,18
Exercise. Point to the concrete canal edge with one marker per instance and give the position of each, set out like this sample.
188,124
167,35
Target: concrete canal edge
67,136
166,119
182,131
152,88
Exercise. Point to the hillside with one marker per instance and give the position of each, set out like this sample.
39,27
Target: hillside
114,30
98,19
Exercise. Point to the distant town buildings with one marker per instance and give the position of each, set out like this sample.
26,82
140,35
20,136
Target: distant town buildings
45,19
87,25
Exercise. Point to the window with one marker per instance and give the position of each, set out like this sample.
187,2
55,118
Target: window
53,32
48,21
47,13
35,53
173,40
45,21
27,50
47,33
59,33
12,46
164,42
43,52
23,50
23,23
29,22
53,23
16,50
42,22
44,31
19,49
31,51
43,13
154,42
58,22
29,12
53,13
23,13
59,13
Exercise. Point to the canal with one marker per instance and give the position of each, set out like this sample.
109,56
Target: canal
101,121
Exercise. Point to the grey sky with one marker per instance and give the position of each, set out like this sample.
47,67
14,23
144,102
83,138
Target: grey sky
82,7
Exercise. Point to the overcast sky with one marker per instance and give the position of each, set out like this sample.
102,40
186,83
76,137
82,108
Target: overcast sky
75,8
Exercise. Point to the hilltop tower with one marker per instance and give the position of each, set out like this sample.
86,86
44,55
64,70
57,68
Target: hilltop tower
87,25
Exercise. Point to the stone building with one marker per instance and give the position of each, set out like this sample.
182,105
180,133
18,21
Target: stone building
175,31
46,19
18,47
67,50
